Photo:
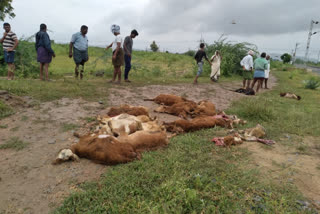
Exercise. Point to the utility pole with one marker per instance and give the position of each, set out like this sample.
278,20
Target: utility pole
201,39
309,39
295,53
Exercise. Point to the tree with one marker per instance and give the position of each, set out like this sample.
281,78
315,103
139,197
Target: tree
154,47
6,9
286,58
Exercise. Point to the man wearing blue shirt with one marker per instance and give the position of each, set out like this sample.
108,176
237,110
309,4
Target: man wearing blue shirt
79,44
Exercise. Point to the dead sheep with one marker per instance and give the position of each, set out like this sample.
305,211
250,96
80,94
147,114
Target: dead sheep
130,124
145,140
181,109
180,126
104,149
205,108
167,99
290,95
65,155
131,110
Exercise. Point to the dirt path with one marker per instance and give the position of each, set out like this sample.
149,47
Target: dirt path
294,160
28,181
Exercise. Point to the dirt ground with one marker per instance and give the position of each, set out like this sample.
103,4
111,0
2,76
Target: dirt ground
29,183
287,164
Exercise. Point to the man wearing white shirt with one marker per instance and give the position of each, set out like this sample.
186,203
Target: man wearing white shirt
247,65
266,73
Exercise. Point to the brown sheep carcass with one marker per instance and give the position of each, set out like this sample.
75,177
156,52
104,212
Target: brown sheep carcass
205,108
181,109
131,110
167,99
195,124
104,149
145,141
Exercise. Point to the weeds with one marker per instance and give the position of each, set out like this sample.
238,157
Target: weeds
5,110
312,83
68,127
254,110
3,126
14,143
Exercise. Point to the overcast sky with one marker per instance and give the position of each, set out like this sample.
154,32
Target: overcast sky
176,25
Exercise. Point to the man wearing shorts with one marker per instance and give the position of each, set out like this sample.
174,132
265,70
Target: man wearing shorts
9,42
199,58
247,65
79,44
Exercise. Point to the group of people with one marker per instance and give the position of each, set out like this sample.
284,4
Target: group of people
122,53
257,70
78,49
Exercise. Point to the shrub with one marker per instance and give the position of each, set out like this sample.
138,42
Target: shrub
25,59
190,53
232,54
312,83
286,58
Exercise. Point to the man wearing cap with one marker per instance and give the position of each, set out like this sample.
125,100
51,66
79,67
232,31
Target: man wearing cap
79,44
127,47
247,65
9,42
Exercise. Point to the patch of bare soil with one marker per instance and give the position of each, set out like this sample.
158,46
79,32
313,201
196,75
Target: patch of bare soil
291,161
28,181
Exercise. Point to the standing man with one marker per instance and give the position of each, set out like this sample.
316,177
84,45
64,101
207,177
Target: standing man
199,58
127,47
267,73
44,51
79,43
247,65
260,65
9,42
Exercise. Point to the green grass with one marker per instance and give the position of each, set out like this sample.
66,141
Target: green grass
3,126
282,115
5,110
147,68
185,178
92,90
194,176
68,127
14,143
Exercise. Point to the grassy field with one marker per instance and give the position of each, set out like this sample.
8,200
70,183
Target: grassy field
193,176
147,68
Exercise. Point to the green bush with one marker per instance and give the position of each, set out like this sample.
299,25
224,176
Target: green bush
25,59
232,54
312,83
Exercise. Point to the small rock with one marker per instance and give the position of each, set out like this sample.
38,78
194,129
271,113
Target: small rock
100,102
303,203
214,180
52,141
290,180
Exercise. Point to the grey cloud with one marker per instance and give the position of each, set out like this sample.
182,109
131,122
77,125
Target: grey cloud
252,17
